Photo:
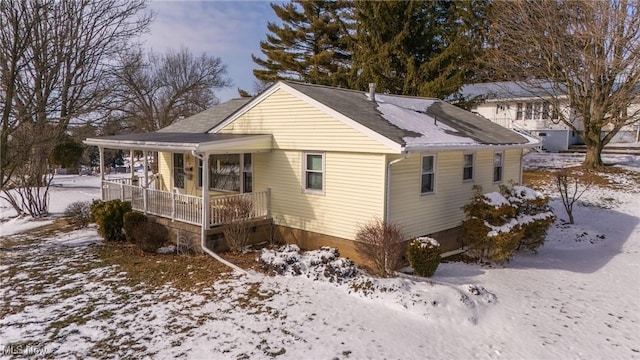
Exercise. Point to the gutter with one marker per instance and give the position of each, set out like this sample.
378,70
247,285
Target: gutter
387,205
203,233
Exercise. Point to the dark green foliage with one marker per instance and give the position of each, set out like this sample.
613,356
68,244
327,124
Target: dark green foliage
424,257
418,48
493,232
131,221
150,236
313,44
78,214
67,153
109,216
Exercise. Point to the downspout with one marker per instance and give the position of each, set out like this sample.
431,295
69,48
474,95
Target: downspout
205,220
387,208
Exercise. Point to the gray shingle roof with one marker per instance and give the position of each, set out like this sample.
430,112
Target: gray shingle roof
204,121
356,106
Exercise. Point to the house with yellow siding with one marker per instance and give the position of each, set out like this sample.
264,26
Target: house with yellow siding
317,162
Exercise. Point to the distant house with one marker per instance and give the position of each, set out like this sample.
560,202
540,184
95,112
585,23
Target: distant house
317,162
518,106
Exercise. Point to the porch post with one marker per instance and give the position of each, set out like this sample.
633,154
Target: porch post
101,150
146,165
205,192
131,164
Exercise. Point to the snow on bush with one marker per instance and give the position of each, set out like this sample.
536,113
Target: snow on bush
424,256
322,264
499,223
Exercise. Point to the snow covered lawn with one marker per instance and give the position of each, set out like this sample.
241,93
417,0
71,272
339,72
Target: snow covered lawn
578,298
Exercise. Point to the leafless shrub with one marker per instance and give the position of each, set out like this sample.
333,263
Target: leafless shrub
380,244
571,188
236,220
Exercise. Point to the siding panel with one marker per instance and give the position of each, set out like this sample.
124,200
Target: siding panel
424,214
296,125
353,191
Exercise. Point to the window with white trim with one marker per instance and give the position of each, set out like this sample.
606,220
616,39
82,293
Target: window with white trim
498,159
314,172
428,174
467,170
224,172
247,173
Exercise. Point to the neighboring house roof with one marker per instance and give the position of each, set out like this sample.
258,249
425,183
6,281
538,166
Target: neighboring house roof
414,123
506,90
204,121
503,90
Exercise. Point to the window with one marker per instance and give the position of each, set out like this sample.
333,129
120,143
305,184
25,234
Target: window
497,166
467,171
528,112
428,180
224,172
178,171
314,171
519,109
200,171
247,173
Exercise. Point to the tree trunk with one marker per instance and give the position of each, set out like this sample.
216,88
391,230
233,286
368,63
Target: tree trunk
593,157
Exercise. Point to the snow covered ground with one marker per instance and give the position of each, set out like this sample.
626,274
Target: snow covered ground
578,298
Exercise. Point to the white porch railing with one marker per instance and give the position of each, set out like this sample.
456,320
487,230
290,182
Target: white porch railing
184,208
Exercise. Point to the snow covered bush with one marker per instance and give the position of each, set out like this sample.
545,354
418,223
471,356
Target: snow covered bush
499,223
380,244
78,213
109,216
130,222
150,236
424,256
322,264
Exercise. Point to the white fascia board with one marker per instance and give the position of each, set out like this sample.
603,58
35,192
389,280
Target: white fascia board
251,143
431,148
248,106
141,145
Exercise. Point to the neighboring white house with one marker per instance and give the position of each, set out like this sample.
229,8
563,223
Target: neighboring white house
523,108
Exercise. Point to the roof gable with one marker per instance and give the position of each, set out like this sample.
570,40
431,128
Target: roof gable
204,121
402,123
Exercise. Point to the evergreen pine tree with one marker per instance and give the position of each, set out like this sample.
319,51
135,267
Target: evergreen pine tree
312,45
420,48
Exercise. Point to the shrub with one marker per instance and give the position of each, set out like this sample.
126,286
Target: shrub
499,223
130,222
78,214
380,244
150,236
109,216
424,256
236,221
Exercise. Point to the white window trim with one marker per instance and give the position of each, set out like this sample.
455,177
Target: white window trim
433,171
243,172
473,166
304,173
493,167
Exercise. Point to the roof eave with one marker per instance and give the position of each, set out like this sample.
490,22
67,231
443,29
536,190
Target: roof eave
465,147
140,145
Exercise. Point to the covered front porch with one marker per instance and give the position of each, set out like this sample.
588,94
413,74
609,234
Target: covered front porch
164,194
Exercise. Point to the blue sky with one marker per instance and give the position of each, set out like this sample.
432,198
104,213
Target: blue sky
231,30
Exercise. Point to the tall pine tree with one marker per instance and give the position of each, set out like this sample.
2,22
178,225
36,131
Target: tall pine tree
420,48
312,45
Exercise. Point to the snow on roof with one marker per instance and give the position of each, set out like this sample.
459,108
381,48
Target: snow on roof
405,115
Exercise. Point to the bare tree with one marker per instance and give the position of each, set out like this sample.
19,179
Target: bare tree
153,91
568,185
580,54
55,59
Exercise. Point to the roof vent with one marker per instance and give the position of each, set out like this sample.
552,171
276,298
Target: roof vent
372,92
